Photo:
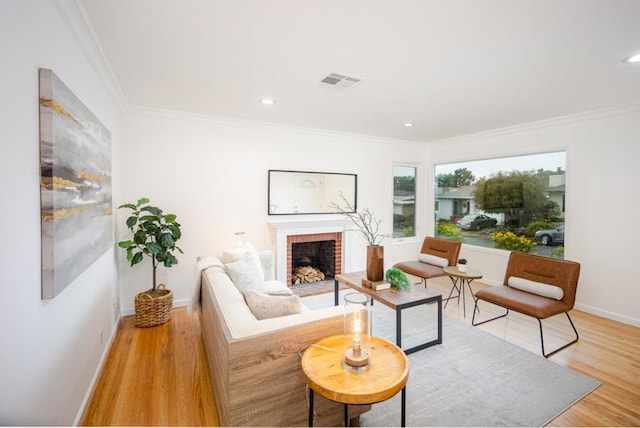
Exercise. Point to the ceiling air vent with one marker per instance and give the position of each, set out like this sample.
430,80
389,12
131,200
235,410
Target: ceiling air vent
335,80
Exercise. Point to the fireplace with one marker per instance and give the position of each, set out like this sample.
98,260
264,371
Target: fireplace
286,232
313,257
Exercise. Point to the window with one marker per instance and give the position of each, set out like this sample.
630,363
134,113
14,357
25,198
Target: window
404,201
514,203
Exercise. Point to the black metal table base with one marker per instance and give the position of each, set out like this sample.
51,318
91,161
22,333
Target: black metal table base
437,341
403,416
460,289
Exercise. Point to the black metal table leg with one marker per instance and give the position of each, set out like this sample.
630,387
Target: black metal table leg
439,342
346,415
399,328
310,407
454,281
404,408
464,304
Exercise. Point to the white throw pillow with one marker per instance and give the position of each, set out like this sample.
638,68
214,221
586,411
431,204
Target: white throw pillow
276,288
246,273
231,255
433,260
265,306
539,288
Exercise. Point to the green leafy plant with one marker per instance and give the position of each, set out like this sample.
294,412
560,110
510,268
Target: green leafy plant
154,234
534,226
397,279
558,253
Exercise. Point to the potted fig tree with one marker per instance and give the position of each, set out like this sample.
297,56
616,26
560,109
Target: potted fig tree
155,235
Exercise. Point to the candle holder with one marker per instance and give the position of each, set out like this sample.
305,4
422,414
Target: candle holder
357,329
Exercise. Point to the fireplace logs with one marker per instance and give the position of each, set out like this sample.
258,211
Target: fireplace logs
304,274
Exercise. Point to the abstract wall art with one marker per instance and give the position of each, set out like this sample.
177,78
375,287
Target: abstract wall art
75,186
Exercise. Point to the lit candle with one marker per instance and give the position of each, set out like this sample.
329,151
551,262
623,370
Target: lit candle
357,329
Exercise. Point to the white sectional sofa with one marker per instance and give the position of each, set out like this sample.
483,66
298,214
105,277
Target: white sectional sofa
255,364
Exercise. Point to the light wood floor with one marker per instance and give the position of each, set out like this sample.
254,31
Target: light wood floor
159,376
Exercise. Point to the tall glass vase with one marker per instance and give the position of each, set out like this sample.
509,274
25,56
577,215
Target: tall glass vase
375,262
357,329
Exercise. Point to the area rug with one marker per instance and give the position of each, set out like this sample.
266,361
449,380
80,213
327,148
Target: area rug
472,379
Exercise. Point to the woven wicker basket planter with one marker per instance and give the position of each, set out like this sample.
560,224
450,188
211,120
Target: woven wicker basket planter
153,310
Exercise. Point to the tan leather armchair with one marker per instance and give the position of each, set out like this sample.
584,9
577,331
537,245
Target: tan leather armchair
563,274
436,247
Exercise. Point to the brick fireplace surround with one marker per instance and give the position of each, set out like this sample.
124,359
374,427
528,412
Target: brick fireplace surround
284,233
315,237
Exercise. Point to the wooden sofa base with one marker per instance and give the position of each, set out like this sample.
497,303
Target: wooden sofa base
258,380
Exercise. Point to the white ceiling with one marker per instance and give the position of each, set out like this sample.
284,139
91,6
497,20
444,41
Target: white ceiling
452,67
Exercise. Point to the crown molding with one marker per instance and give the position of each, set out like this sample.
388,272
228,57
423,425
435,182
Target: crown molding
543,124
76,19
246,123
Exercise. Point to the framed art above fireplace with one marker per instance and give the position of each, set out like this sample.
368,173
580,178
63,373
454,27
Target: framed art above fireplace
304,192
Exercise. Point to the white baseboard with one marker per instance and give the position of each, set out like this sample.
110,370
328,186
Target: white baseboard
96,374
609,315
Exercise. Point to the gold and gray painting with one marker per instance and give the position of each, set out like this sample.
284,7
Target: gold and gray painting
75,185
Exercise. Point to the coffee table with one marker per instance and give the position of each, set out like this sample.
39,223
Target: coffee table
326,374
397,300
459,279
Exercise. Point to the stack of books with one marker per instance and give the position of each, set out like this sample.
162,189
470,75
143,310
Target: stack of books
375,285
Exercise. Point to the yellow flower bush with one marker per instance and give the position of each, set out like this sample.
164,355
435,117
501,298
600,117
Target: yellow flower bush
449,231
511,241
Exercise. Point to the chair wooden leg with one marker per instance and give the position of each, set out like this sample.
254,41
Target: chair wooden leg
563,346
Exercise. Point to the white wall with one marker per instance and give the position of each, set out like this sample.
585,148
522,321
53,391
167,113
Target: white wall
603,149
212,173
49,349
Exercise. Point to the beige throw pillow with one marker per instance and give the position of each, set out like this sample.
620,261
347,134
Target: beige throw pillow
246,272
539,288
433,260
265,306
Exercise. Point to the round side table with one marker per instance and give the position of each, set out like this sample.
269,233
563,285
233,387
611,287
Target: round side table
459,279
327,374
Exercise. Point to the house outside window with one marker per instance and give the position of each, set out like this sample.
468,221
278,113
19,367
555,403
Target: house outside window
404,200
515,203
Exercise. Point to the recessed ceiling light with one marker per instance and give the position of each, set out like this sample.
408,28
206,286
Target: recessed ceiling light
407,125
633,59
268,101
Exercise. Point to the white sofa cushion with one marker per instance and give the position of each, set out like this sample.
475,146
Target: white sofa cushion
433,260
265,306
246,272
539,288
276,288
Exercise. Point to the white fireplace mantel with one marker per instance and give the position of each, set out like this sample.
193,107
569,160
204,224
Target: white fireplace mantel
280,229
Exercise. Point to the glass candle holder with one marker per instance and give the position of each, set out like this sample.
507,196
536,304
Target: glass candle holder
357,329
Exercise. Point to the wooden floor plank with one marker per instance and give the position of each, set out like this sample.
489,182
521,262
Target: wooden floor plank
159,376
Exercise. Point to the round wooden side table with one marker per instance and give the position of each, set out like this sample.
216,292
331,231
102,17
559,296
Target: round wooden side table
327,374
461,278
